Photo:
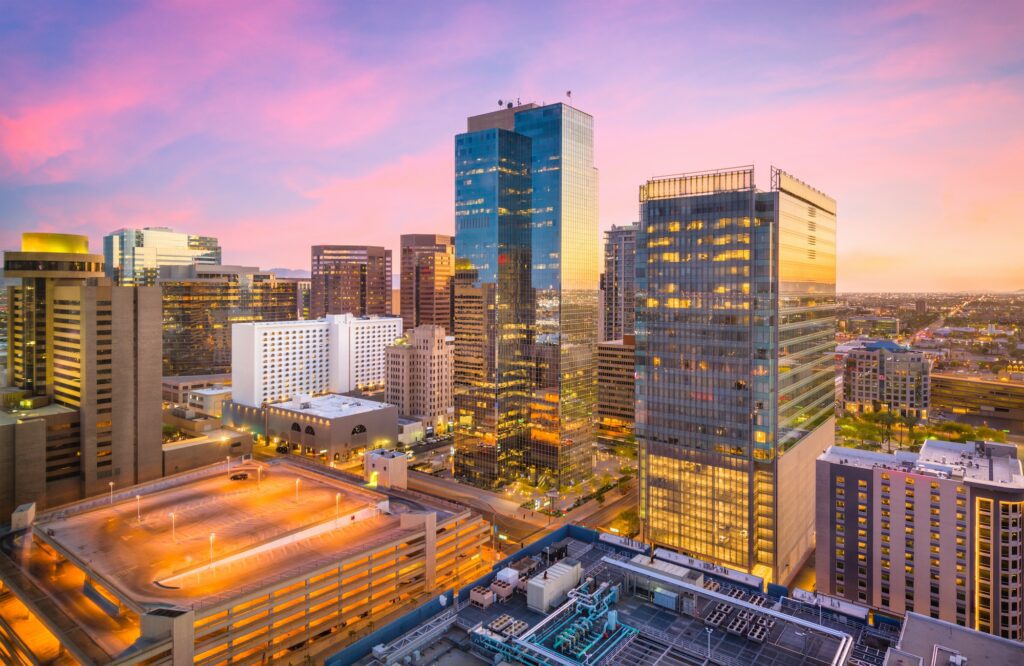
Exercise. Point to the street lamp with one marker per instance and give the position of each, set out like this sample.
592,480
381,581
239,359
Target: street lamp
297,490
174,536
111,484
337,508
259,476
211,549
709,630
227,461
138,508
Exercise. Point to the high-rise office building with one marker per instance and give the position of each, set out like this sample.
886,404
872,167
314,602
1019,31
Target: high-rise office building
350,279
302,291
419,375
200,304
735,366
619,281
526,242
133,257
616,392
880,375
937,532
428,274
84,405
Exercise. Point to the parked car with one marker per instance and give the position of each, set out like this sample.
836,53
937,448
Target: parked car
282,448
240,476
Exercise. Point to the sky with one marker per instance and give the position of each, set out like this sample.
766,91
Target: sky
276,126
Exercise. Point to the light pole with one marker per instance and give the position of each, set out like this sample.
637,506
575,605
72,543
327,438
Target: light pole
174,536
337,508
227,461
709,630
111,484
211,549
138,508
297,490
259,477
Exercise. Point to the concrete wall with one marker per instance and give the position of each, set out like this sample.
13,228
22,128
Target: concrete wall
794,508
245,364
207,452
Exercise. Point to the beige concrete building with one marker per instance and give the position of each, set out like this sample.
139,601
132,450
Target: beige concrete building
420,371
84,411
616,391
937,533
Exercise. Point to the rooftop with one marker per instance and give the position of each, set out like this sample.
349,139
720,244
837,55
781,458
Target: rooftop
16,415
937,642
329,406
984,463
213,390
196,539
645,631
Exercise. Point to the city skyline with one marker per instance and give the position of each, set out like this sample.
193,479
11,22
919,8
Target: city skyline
140,116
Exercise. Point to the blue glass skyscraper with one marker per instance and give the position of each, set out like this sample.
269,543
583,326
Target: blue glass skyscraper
526,229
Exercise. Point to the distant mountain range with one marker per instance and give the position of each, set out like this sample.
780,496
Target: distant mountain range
288,272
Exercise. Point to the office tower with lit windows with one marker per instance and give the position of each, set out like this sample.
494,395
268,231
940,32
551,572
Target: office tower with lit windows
83,410
133,257
619,281
735,365
525,177
427,274
350,279
201,303
936,532
616,393
493,300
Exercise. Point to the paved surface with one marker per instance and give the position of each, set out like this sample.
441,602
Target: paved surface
242,515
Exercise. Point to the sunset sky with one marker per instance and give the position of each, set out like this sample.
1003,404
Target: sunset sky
276,126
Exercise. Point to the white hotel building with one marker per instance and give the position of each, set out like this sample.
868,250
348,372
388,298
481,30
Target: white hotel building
275,361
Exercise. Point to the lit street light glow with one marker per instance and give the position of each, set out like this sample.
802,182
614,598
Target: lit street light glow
138,508
111,484
174,536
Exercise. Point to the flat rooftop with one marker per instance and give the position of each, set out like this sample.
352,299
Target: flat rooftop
16,415
970,461
936,642
799,634
228,537
213,390
330,406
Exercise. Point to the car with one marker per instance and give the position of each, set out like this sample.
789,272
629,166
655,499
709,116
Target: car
240,476
282,449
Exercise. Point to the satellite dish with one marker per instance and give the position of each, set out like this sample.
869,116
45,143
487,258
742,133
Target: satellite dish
501,102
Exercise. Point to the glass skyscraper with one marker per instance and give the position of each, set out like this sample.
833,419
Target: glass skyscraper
134,257
735,375
526,230
619,281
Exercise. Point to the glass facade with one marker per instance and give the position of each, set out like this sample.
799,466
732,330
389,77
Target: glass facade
428,270
493,304
565,278
619,281
133,257
735,333
200,304
542,198
350,279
